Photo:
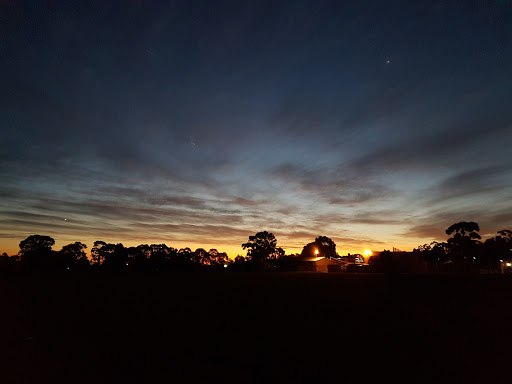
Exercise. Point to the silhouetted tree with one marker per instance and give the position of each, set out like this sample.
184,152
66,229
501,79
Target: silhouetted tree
115,257
324,245
162,257
73,255
139,258
506,235
261,247
434,252
36,251
112,257
241,264
218,259
464,244
8,263
327,246
201,256
311,249
185,259
97,255
497,249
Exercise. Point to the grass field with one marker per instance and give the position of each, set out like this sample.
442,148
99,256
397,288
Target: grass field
249,328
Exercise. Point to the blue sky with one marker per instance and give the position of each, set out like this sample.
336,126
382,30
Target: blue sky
200,123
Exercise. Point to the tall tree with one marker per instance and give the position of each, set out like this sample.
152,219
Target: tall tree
261,247
75,250
115,257
139,257
97,253
322,246
434,252
36,250
327,245
74,254
311,250
112,257
464,243
162,256
218,259
497,249
201,256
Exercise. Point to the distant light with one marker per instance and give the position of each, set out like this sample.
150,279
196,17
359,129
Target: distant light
367,252
67,268
316,251
126,264
225,265
508,264
501,261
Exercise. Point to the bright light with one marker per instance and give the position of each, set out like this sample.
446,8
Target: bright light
225,265
316,251
508,264
367,252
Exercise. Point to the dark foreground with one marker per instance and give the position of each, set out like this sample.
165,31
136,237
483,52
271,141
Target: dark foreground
250,328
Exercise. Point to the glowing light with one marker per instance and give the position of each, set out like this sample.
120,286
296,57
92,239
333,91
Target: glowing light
316,251
367,252
317,258
508,264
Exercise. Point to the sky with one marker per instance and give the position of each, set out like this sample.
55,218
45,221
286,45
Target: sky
198,123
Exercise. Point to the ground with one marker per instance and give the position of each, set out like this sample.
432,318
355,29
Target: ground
249,328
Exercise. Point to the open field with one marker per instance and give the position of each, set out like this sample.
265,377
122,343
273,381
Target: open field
251,328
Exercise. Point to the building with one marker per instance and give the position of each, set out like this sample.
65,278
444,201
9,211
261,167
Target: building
318,264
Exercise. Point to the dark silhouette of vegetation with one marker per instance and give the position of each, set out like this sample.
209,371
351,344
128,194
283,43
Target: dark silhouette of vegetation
73,256
322,246
327,246
434,252
464,245
497,250
463,252
36,252
262,248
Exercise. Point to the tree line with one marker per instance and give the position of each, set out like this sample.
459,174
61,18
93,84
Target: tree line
36,253
464,249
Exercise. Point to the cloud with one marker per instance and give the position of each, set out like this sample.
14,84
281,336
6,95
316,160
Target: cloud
473,182
437,149
430,232
334,185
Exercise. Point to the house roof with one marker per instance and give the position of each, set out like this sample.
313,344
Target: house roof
317,258
314,258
